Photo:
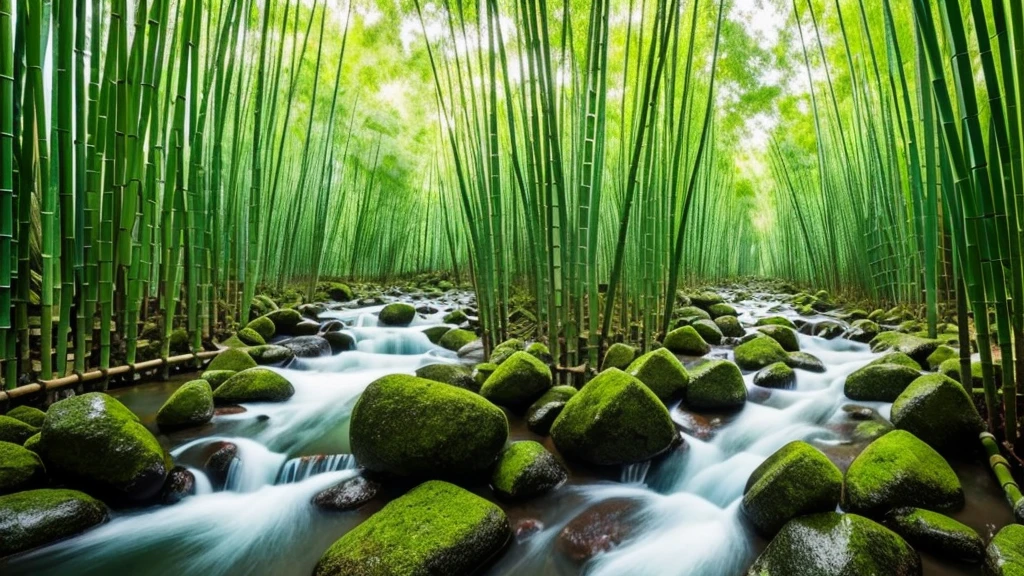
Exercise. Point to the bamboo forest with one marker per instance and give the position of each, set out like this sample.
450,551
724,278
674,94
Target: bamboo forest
511,287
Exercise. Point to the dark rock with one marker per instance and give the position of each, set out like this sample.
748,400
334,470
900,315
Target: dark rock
349,494
180,484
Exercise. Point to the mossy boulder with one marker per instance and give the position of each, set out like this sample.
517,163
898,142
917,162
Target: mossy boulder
217,377
951,369
308,346
526,469
433,530
263,326
20,468
15,431
254,385
1004,555
435,333
786,337
775,321
28,415
716,385
863,331
794,481
483,371
708,330
614,419
879,382
832,544
692,313
759,352
777,375
721,309
938,411
517,382
506,349
232,359
542,413
32,443
914,346
936,534
706,299
397,314
454,374
339,292
339,341
180,342
730,326
687,341
250,337
270,354
619,356
540,351
805,361
662,372
899,470
410,427
190,405
454,340
896,358
93,441
455,317
285,320
38,517
941,354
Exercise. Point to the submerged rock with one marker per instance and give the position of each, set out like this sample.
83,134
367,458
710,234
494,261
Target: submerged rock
879,382
517,381
410,427
308,346
687,341
662,372
95,442
397,314
349,494
805,361
436,528
914,346
777,375
190,405
936,534
614,419
597,529
454,374
526,469
939,411
1004,555
254,385
542,413
455,339
20,468
39,517
15,431
759,352
339,341
786,337
619,356
794,481
218,463
232,359
716,385
832,544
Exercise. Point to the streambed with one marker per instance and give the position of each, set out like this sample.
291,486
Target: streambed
676,515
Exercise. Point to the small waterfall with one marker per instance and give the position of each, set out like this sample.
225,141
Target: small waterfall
635,473
299,469
202,483
395,342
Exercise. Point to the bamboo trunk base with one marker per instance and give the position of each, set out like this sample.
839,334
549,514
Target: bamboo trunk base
1001,469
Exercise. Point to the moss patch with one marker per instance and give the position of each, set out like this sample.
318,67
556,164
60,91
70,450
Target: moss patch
941,354
15,431
879,382
730,326
794,481
775,321
914,346
662,372
542,413
939,411
517,382
232,359
28,415
721,309
285,320
506,349
805,361
38,517
759,352
716,385
786,337
455,317
896,358
454,374
254,385
708,330
777,375
190,405
263,326
526,469
217,377
619,356
454,340
434,333
936,534
1004,555
20,468
270,354
250,337
687,341
540,351
397,314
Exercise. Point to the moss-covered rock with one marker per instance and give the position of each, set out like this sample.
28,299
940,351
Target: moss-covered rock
263,326
232,359
614,419
708,330
454,374
662,372
306,328
832,544
706,299
339,341
285,320
339,292
179,342
786,337
20,468
941,354
93,441
190,405
217,377
775,321
15,431
687,341
914,346
269,354
526,469
777,375
542,413
434,333
28,415
938,411
936,534
619,356
716,385
692,313
506,349
730,327
805,361
899,470
435,529
863,331
794,481
517,382
896,358
1004,555
254,385
483,371
540,351
454,340
721,309
250,337
32,443
951,369
37,517
455,317
879,382
759,352
411,427
308,346
397,314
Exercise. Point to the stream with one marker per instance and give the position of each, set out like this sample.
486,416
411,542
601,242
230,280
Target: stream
678,515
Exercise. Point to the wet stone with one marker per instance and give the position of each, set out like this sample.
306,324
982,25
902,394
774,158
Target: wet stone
180,483
347,495
598,529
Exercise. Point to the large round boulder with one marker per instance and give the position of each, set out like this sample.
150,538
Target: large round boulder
619,356
730,326
879,382
254,385
914,346
777,375
785,336
15,431
455,339
95,442
517,382
454,374
28,415
686,341
308,346
936,534
614,419
263,326
20,468
759,352
939,411
662,372
716,385
38,517
190,405
397,314
526,469
436,528
794,481
410,427
285,320
232,359
708,330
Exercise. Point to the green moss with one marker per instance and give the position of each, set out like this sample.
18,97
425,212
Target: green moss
938,411
250,337
263,326
180,342
254,385
687,341
794,481
517,382
871,429
863,331
397,314
1005,553
692,313
936,534
33,442
38,517
662,372
619,356
483,371
436,528
455,317
951,368
716,385
879,382
708,330
526,469
896,358
233,342
269,354
706,299
899,470
15,431
775,321
540,351
454,374
411,427
730,326
190,405
805,361
232,359
506,349
434,333
721,309
285,320
941,354
832,544
876,315
217,377
542,413
777,375
28,415
93,441
786,337
614,419
454,340
20,468
339,292
759,352
914,346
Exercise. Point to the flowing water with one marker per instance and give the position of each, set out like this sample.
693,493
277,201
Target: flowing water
677,515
